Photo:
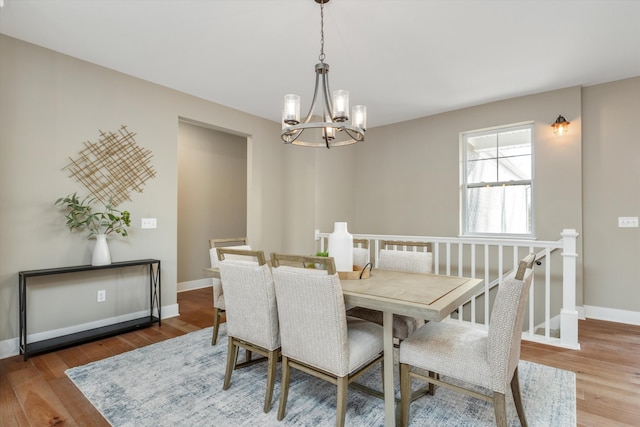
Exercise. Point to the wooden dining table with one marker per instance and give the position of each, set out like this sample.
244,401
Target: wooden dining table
425,296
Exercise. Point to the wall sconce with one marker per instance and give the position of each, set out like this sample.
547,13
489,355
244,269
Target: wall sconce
561,126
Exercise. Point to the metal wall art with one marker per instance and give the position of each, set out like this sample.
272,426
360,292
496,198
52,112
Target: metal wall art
113,167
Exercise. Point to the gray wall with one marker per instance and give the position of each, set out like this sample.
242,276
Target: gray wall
49,105
408,174
611,186
402,180
212,194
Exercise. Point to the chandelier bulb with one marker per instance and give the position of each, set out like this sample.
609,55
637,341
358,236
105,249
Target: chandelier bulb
291,114
340,105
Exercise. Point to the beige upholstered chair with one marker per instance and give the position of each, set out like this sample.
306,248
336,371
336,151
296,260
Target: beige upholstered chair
218,296
361,254
399,260
483,358
410,257
252,315
317,336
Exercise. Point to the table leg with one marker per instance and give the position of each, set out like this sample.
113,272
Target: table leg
389,387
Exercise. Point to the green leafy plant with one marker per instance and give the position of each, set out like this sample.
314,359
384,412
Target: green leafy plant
81,216
319,266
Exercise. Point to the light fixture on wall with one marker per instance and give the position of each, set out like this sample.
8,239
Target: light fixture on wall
561,126
330,128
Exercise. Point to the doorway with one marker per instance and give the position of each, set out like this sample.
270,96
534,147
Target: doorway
212,196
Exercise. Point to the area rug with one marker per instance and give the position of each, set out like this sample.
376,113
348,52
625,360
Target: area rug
178,382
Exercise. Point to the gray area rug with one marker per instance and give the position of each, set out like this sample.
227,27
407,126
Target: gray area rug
178,382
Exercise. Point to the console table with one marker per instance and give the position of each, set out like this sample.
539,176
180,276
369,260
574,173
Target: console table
92,334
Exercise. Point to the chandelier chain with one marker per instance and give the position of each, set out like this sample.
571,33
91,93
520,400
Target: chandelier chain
321,57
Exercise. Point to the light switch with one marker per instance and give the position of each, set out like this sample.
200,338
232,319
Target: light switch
149,223
628,221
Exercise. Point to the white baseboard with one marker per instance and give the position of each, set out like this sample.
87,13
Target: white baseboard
169,311
612,315
194,284
554,323
10,347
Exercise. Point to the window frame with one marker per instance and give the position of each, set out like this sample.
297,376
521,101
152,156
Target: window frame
465,186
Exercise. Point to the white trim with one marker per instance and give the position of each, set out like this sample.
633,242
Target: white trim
612,315
556,342
169,311
554,323
194,284
9,347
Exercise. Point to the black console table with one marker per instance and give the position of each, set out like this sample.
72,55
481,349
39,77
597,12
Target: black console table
92,334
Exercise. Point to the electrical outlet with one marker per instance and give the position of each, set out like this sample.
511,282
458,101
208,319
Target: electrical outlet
149,223
102,295
628,221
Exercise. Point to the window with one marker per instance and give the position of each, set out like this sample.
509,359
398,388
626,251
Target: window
497,181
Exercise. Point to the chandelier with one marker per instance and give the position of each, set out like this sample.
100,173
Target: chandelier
331,127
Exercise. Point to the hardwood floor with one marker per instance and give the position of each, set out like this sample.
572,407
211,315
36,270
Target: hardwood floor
38,393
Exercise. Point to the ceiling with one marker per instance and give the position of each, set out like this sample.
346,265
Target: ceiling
403,59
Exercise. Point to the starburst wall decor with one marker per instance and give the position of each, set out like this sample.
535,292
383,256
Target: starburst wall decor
113,167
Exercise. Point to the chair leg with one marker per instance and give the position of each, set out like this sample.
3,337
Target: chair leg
284,387
232,355
271,378
405,393
382,374
247,355
432,386
341,406
517,398
500,409
216,325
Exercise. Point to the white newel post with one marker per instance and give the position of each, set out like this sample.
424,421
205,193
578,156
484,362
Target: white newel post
568,313
341,247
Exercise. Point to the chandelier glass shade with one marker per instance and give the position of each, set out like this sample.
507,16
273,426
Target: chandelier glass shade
329,127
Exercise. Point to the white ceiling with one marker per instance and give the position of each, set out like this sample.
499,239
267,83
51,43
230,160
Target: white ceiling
403,59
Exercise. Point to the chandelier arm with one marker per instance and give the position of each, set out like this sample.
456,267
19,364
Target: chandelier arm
291,136
328,108
313,101
356,135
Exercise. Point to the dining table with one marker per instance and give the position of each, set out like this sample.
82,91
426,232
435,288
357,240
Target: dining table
431,297
426,296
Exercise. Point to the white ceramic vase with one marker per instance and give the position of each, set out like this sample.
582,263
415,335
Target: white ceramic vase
341,247
101,254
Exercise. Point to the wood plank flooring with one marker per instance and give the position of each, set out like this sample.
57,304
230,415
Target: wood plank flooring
38,393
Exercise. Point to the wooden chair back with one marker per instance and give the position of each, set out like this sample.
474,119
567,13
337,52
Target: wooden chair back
255,255
283,259
231,241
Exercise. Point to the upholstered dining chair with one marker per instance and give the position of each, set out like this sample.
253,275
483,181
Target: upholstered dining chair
410,261
252,316
317,336
485,358
361,254
218,295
